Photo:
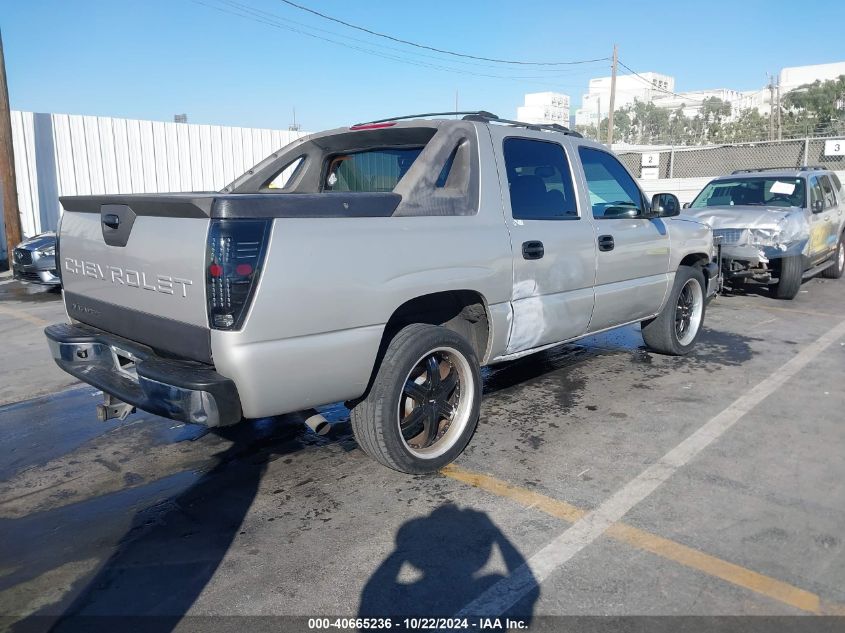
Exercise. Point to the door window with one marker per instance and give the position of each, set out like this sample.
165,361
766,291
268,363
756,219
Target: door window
827,192
539,180
613,192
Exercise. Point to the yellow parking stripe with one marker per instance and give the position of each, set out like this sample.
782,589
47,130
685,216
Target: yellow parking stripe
23,316
522,496
716,567
670,550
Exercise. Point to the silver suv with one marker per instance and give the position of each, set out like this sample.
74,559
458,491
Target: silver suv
777,226
380,264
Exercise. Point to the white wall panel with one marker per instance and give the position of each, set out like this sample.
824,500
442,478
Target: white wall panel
229,173
94,151
107,154
184,151
121,155
67,155
216,156
81,164
149,182
136,167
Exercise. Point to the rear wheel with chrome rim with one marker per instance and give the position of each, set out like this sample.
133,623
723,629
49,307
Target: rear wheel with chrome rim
676,329
422,407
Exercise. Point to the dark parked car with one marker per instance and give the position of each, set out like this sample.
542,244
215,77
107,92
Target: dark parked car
34,260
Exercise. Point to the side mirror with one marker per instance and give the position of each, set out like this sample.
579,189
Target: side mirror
686,205
818,206
665,205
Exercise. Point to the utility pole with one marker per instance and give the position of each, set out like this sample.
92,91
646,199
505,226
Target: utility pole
612,98
780,128
11,215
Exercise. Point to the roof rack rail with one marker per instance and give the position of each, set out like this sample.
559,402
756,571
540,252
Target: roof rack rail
463,113
477,115
486,117
787,168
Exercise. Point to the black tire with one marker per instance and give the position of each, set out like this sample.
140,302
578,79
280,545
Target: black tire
789,283
835,271
376,418
661,334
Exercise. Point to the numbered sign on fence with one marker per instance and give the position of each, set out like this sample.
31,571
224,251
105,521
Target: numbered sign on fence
651,159
834,147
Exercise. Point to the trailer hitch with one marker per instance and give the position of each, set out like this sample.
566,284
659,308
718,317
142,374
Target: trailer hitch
113,408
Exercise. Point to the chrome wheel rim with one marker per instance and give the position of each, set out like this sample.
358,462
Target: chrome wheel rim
436,402
841,257
688,311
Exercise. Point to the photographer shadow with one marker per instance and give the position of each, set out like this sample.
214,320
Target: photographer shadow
442,562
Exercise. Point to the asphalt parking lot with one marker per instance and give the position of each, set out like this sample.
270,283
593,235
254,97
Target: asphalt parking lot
602,480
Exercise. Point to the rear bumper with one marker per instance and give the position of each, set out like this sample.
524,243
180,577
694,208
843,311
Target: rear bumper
181,390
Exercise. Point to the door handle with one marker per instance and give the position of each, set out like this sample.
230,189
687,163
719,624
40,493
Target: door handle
111,220
533,250
606,243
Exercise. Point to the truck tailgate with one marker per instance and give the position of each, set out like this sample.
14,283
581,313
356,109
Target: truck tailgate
135,266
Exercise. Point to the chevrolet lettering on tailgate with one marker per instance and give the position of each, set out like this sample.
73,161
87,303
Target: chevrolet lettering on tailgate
164,284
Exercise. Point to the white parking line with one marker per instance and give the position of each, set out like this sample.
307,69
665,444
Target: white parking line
507,592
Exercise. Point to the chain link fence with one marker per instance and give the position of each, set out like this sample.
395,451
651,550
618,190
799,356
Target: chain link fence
718,160
684,171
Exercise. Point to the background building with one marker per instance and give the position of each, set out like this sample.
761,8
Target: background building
544,107
795,76
658,88
643,87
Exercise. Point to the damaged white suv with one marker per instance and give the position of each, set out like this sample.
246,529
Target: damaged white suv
777,226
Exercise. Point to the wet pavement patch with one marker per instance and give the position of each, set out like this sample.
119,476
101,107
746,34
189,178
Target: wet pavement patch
29,293
151,516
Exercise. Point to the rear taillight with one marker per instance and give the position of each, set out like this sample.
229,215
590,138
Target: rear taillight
234,257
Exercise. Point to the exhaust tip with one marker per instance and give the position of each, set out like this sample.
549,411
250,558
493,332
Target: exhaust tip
318,424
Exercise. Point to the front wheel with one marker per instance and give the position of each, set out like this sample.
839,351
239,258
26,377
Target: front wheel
789,282
423,405
675,330
835,271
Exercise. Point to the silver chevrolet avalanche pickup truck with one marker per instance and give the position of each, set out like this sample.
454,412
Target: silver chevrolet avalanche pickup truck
381,265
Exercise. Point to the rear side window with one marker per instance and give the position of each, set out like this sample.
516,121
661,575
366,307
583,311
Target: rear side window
539,180
283,178
372,170
613,192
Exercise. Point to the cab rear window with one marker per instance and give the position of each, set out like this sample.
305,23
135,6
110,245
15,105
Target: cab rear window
371,170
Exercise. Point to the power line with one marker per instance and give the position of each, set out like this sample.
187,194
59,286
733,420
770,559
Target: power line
675,94
435,49
276,17
246,12
659,89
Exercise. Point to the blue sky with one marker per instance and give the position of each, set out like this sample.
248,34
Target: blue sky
153,58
